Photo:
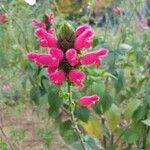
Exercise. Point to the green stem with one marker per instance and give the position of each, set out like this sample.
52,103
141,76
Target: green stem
74,120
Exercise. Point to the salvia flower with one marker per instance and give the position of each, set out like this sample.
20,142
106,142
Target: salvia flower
117,11
64,56
88,100
143,22
3,19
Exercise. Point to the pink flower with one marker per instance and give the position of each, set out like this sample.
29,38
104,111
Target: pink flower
62,64
53,66
143,22
58,53
6,87
81,29
40,58
58,77
77,77
84,38
51,30
51,18
89,100
94,57
48,39
38,24
3,19
117,11
47,24
72,57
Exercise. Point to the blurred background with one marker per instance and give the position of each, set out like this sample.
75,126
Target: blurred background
123,81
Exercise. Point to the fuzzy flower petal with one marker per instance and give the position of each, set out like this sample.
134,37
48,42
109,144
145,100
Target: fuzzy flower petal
77,77
58,77
38,24
94,57
81,42
117,11
51,18
40,58
44,35
89,100
58,53
81,29
3,19
53,66
72,57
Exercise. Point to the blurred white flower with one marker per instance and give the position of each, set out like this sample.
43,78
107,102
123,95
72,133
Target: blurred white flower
31,2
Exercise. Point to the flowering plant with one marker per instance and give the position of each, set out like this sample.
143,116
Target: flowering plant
67,53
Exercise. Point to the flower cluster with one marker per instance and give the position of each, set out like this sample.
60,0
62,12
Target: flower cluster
65,52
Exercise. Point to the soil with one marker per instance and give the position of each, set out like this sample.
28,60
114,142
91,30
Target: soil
30,121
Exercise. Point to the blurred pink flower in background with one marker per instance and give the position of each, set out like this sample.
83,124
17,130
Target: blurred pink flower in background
143,22
3,18
7,87
117,10
89,100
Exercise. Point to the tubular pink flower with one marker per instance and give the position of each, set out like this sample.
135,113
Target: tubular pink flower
3,18
89,100
117,11
77,77
38,24
72,57
58,77
81,29
53,66
88,43
40,58
81,42
94,57
51,18
58,53
43,43
51,30
44,35
143,22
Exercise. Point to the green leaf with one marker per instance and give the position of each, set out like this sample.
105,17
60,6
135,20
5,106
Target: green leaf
35,95
132,135
113,117
90,143
67,132
119,83
82,113
92,127
125,46
147,95
54,101
98,88
146,122
95,42
139,113
106,102
133,104
111,147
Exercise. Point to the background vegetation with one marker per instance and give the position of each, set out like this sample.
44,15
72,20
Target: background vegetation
120,120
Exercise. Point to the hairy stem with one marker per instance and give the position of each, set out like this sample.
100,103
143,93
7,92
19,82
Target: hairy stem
74,120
